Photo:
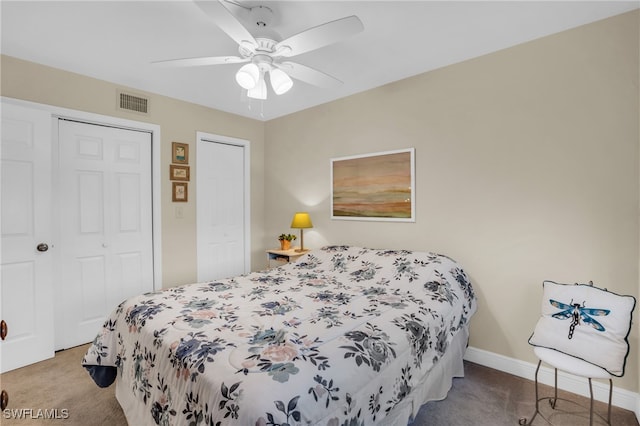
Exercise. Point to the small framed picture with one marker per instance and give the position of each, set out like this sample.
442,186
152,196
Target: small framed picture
180,192
180,153
179,172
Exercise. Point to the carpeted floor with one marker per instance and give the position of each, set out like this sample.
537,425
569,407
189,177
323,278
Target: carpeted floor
485,397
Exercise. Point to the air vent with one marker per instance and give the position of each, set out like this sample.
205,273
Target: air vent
133,103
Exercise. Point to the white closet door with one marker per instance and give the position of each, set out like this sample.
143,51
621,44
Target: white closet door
106,251
221,210
26,295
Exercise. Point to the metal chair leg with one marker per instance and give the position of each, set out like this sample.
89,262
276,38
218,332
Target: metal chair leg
555,389
590,403
553,401
591,412
610,395
523,420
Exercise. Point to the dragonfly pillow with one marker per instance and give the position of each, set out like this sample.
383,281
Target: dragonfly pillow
586,322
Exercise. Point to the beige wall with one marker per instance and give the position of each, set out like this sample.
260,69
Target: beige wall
526,169
179,122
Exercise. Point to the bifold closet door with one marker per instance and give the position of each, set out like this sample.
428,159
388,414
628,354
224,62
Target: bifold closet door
221,210
106,247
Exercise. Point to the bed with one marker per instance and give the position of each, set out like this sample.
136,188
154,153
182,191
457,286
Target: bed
344,336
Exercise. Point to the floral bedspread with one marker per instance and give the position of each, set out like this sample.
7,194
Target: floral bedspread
338,338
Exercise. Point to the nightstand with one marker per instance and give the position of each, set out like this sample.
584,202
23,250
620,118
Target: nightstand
280,257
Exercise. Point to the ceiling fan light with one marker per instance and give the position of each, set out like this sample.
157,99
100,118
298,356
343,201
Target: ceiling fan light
248,76
259,91
280,81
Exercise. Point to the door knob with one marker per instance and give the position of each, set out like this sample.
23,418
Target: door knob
42,247
4,399
3,329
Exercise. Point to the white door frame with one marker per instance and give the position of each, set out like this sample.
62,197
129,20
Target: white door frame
91,118
210,137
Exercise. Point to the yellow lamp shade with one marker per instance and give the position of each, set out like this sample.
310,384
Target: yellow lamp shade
301,220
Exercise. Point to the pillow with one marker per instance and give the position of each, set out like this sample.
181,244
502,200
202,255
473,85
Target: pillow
586,322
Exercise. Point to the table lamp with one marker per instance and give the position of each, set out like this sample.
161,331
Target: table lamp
301,220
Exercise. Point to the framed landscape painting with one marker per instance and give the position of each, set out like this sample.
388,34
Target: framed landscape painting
378,186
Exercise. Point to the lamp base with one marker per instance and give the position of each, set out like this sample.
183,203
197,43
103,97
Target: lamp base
301,250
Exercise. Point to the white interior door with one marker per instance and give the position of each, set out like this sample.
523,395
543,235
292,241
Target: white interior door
222,209
106,245
26,272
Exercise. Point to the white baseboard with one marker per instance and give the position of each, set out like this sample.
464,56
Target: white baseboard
621,398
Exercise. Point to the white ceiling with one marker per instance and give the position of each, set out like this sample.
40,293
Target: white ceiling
117,40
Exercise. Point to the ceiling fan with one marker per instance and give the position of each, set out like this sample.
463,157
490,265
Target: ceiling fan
265,54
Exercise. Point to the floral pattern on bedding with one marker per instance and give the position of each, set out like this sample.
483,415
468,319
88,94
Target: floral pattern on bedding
338,338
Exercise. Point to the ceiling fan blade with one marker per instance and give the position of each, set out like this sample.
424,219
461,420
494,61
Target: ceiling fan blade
227,22
197,62
320,36
308,74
